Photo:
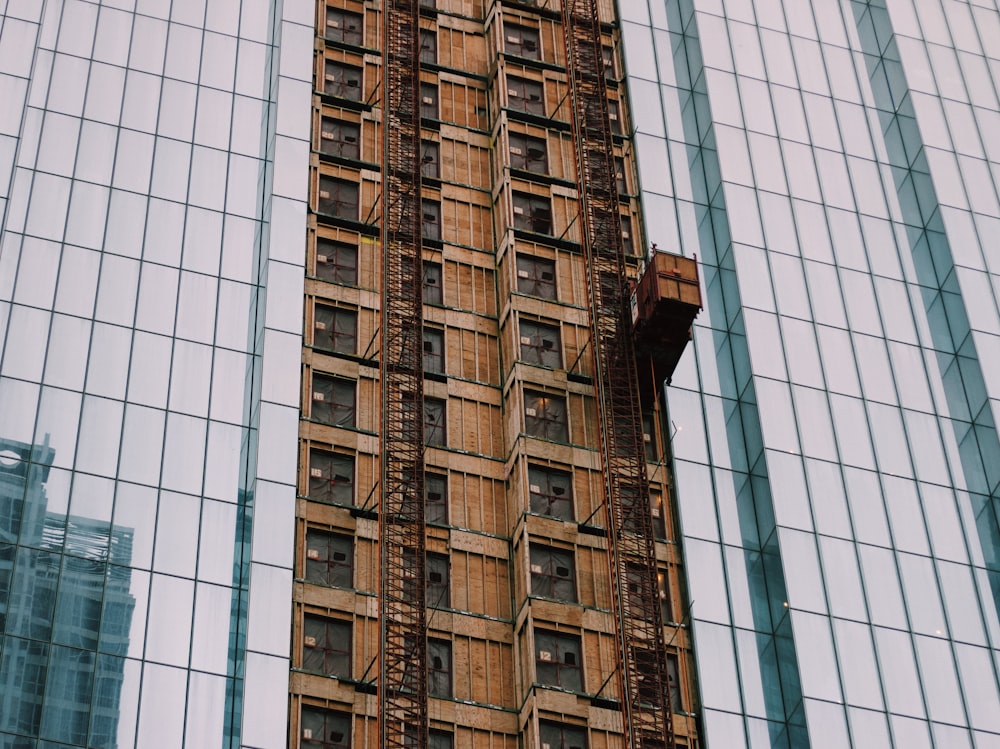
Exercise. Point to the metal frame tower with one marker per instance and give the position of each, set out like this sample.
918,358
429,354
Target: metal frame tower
638,619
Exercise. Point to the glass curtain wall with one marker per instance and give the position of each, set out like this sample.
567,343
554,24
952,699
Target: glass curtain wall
834,165
153,162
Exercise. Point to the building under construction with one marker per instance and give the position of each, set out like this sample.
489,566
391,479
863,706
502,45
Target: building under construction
485,534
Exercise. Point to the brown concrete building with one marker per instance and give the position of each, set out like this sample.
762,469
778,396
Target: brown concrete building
521,647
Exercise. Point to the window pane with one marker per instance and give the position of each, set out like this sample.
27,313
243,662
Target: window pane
438,581
339,138
522,41
551,492
536,276
336,329
532,213
336,262
553,573
558,736
436,493
525,96
342,80
428,46
528,153
540,344
343,26
324,729
329,559
433,350
338,197
558,661
326,646
430,159
429,101
430,223
545,416
331,477
439,668
333,400
435,428
433,290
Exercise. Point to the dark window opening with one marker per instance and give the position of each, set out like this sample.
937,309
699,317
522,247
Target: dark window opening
331,477
649,437
558,736
436,496
430,159
551,492
553,573
428,46
627,242
528,153
522,41
656,512
433,288
338,197
326,646
435,426
545,416
439,740
610,63
344,26
664,593
333,400
620,182
536,276
339,138
540,344
335,329
525,96
342,80
329,559
673,678
438,581
429,101
324,729
433,350
615,114
532,213
430,219
558,661
439,668
336,262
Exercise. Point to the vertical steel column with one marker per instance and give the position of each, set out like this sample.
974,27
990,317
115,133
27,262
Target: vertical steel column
638,619
403,626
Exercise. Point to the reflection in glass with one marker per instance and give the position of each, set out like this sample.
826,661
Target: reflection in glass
70,584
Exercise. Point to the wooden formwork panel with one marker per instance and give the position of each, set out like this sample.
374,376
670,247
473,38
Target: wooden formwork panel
461,44
465,158
480,584
464,221
469,286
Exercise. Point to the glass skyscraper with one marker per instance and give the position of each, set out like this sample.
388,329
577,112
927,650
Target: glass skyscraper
153,162
835,167
834,459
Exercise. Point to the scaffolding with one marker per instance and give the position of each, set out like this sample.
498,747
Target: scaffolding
638,618
402,688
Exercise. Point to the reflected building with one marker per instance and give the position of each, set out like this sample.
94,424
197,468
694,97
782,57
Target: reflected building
66,609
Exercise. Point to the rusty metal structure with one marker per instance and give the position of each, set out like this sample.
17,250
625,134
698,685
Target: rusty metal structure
402,683
638,619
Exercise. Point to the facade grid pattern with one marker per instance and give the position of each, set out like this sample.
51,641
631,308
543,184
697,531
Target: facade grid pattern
835,168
